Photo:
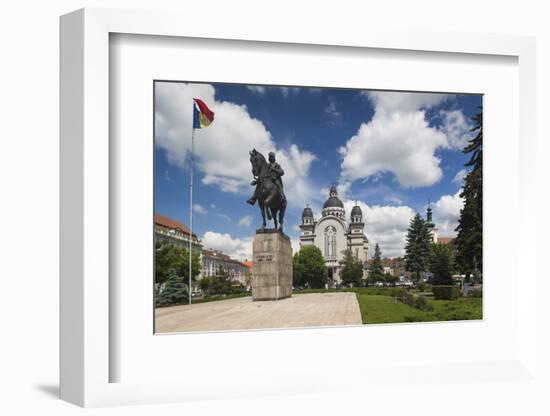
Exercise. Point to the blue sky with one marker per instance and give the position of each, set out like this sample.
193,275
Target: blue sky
390,151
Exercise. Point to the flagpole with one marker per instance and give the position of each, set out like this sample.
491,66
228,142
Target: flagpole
191,208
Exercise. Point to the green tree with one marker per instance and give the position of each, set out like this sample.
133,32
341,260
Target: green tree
309,267
441,264
351,272
219,284
376,270
298,279
174,292
169,257
418,247
470,228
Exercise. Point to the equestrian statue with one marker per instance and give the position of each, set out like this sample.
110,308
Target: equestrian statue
269,188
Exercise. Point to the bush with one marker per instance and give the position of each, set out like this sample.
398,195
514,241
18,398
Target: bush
475,293
421,286
445,292
421,303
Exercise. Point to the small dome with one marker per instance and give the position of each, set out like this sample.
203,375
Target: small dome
307,213
356,211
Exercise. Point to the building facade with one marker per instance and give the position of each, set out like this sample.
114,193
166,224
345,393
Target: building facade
173,232
214,260
333,235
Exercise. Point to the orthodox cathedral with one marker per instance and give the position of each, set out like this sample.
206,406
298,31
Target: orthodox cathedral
333,235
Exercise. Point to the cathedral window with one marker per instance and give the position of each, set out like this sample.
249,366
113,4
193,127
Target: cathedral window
330,241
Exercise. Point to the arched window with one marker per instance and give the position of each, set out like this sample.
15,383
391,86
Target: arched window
330,242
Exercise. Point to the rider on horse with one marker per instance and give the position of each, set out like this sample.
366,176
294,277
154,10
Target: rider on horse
276,173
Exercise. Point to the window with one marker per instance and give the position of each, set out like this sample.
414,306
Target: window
330,242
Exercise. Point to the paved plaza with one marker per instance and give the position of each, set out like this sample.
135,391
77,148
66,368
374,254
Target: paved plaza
305,310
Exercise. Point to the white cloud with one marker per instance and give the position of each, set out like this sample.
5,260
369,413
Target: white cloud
398,139
395,101
289,91
224,216
256,89
213,206
245,221
385,225
199,209
446,213
235,247
332,115
394,200
457,128
459,177
222,148
401,143
295,243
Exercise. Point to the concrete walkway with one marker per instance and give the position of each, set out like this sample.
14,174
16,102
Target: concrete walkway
307,310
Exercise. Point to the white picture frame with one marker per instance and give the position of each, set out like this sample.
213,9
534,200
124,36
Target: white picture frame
85,347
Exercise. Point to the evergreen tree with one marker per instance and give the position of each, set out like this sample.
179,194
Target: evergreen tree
469,238
417,249
351,272
441,264
309,266
175,291
376,270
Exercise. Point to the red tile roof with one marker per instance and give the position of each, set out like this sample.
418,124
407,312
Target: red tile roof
445,240
248,264
172,224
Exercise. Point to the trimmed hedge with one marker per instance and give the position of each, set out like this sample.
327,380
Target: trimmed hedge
446,292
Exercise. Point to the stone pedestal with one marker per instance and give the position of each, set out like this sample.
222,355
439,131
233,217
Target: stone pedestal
272,269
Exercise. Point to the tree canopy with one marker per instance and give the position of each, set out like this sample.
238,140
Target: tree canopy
218,284
441,264
309,268
169,257
351,272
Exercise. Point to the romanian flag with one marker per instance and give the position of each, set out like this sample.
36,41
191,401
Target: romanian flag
202,115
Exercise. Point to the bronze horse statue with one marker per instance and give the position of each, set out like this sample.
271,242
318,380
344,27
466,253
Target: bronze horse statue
271,198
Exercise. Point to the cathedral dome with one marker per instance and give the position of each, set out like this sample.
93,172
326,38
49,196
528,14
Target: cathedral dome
307,213
333,201
356,211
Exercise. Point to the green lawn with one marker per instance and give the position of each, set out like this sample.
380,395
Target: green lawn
378,309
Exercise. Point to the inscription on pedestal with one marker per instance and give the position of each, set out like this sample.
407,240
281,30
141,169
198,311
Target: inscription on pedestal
261,258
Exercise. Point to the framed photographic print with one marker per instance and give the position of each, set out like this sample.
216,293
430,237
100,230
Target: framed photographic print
339,177
293,202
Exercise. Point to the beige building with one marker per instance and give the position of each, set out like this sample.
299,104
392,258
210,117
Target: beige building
214,260
332,234
174,232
